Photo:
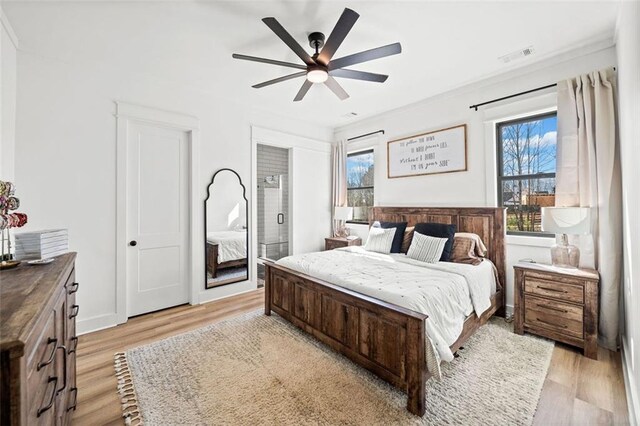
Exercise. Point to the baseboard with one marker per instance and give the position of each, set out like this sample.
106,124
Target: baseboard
633,401
99,322
207,298
222,292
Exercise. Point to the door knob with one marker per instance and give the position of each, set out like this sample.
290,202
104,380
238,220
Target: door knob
133,243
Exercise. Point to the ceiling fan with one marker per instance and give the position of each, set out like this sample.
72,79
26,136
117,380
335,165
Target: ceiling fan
320,67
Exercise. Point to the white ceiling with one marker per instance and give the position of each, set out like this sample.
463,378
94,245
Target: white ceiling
445,44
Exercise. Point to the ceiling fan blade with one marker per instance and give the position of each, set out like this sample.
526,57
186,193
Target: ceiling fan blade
303,90
268,61
367,55
280,79
359,75
337,36
288,40
332,84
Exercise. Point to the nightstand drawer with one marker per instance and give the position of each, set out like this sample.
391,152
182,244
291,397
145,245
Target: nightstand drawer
330,245
558,323
568,292
548,306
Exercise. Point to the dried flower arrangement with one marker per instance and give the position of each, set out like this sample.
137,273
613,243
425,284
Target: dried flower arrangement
9,218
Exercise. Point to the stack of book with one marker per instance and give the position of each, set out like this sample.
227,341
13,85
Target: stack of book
41,244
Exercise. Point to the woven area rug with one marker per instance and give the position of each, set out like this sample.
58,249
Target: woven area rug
255,369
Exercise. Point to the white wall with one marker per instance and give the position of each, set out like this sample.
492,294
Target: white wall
628,51
66,159
477,185
8,82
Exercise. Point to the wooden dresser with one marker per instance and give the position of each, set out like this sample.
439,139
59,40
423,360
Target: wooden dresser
558,303
38,343
337,242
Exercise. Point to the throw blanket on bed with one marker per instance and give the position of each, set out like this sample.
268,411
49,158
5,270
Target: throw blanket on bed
232,245
446,292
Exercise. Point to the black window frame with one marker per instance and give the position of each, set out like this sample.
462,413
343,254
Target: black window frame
355,188
501,178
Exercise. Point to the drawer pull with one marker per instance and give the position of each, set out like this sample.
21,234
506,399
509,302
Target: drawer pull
74,339
75,399
550,323
74,311
555,290
74,288
53,379
64,368
551,308
52,355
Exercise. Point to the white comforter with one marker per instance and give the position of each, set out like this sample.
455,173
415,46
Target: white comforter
232,245
447,292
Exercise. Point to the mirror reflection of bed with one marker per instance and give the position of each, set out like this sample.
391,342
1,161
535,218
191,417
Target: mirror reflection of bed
226,233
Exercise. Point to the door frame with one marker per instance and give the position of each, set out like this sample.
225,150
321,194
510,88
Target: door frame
293,143
125,114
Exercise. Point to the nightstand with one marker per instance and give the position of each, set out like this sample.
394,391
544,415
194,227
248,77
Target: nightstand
337,242
557,303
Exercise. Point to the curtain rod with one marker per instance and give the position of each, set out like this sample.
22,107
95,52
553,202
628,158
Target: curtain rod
517,94
365,135
511,96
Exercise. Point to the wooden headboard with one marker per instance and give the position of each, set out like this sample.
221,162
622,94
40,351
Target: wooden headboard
488,222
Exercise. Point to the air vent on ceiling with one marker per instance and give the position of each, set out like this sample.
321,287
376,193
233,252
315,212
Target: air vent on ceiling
350,115
522,53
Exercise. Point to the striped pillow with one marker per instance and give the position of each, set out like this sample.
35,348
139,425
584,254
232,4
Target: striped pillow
425,248
380,239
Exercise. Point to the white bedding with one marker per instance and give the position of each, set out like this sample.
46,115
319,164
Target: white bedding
232,245
447,292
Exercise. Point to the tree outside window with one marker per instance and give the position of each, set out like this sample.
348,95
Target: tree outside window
527,171
360,172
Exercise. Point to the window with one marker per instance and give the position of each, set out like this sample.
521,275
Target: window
527,171
360,184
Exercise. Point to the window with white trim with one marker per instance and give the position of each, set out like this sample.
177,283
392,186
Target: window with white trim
360,170
526,150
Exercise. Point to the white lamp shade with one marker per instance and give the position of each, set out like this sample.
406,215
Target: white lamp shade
343,213
566,220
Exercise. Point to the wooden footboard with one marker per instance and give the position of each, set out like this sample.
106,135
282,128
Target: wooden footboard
213,266
386,339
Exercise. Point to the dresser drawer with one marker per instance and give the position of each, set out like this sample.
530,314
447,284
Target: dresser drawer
42,386
553,322
568,292
44,345
554,307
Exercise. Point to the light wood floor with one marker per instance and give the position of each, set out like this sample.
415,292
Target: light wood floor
577,390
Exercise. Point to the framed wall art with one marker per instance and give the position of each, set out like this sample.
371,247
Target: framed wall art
440,151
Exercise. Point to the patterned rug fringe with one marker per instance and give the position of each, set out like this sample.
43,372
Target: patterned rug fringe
128,398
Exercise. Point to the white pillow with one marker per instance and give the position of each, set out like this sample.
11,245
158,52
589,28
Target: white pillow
380,239
425,248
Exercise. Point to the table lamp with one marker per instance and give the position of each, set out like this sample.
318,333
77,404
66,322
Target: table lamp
566,220
342,214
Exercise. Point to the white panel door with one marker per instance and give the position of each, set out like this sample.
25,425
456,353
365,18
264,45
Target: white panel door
157,218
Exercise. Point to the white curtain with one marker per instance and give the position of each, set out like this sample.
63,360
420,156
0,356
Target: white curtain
338,180
588,175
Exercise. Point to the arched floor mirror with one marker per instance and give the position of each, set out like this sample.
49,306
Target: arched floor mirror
226,232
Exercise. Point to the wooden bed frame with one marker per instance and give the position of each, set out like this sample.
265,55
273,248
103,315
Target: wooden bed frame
213,266
384,338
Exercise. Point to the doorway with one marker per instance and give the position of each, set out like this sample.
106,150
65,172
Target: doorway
273,191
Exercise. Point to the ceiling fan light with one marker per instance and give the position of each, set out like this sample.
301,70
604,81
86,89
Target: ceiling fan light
317,76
